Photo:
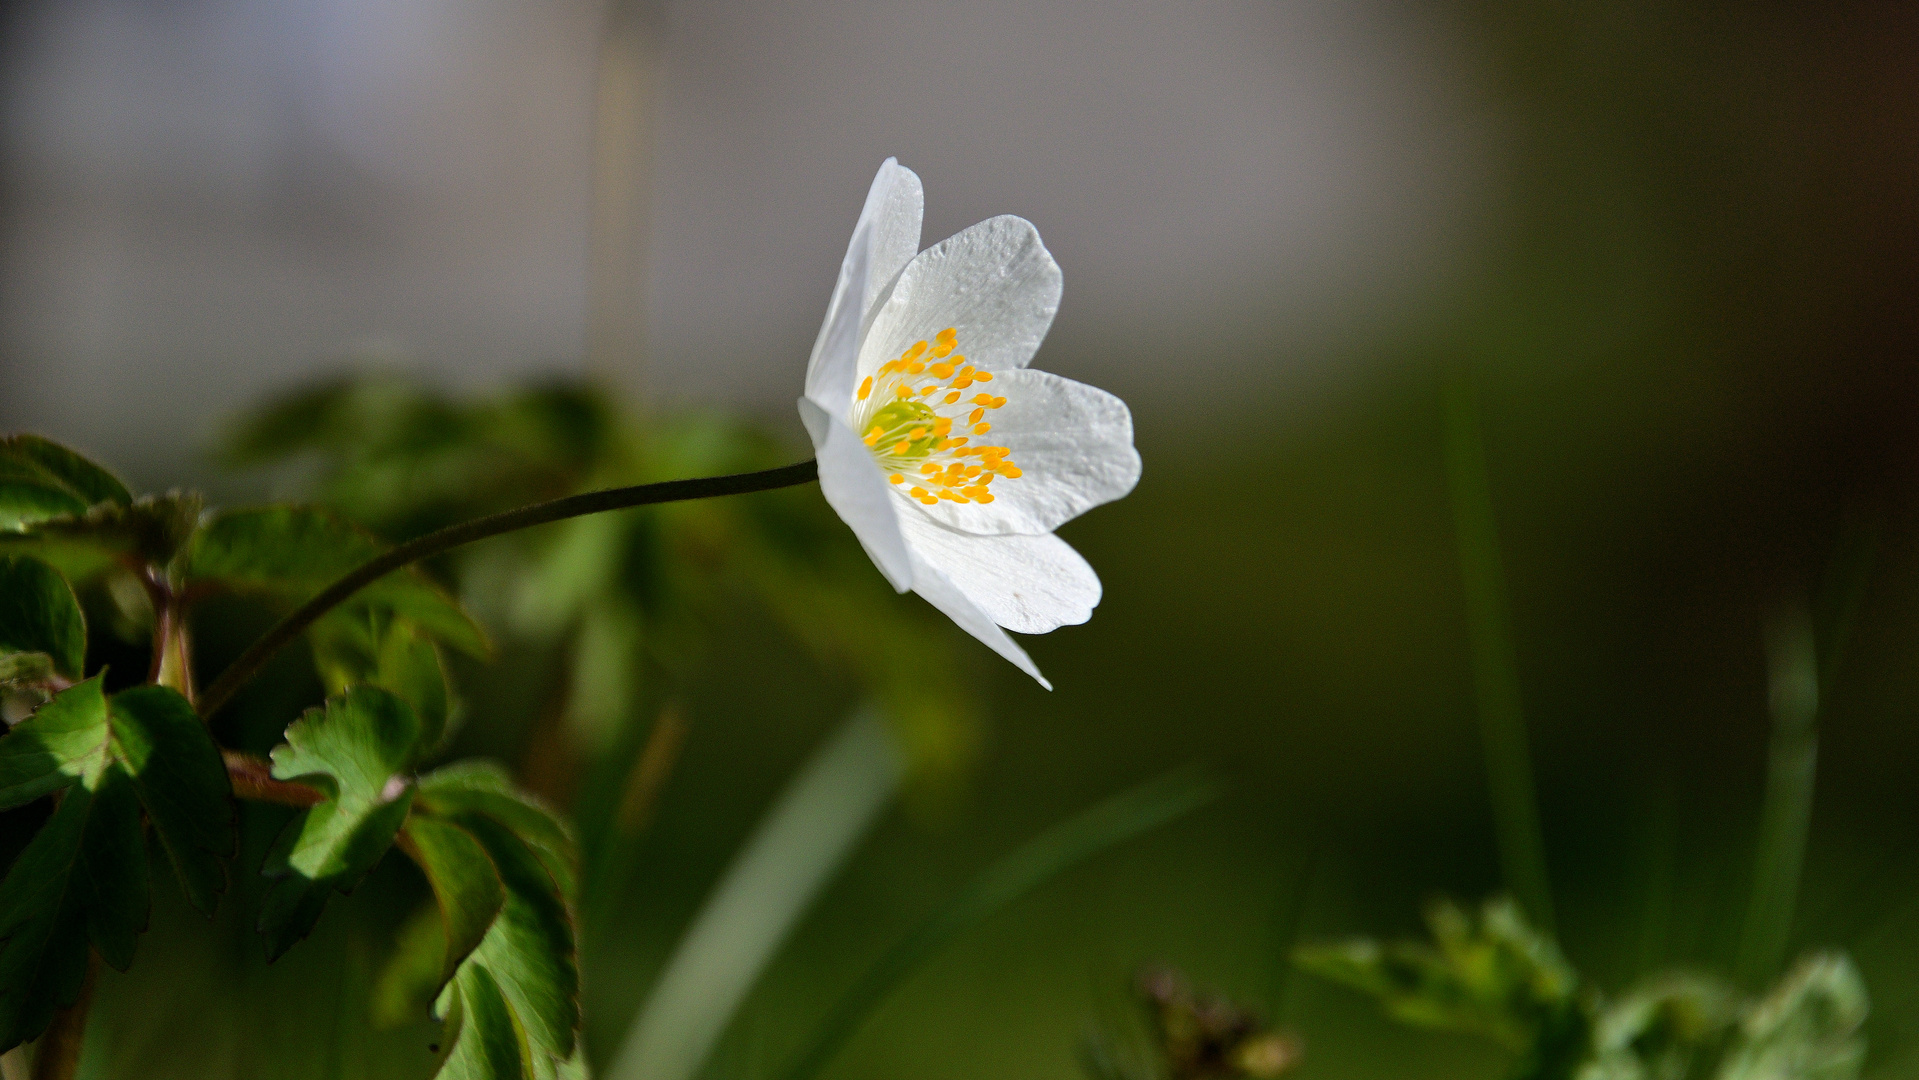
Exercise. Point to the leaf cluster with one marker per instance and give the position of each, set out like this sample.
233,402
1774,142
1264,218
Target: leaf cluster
1497,977
501,966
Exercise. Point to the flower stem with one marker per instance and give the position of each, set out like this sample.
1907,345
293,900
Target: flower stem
434,543
252,778
56,1053
1502,723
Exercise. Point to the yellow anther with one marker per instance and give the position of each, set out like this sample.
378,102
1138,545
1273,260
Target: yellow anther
952,397
866,387
977,413
903,390
1010,471
873,436
902,446
984,400
981,429
942,370
913,353
916,434
929,468
983,376
942,425
896,478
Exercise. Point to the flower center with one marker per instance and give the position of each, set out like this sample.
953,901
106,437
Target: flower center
907,411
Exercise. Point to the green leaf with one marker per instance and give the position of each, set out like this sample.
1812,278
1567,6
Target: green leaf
465,884
1661,1029
484,1041
64,740
1494,976
352,749
40,479
1807,1028
39,614
484,788
82,879
164,747
528,952
530,949
357,644
292,552
151,530
150,736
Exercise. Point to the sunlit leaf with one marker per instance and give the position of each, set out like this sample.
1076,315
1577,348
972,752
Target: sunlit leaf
353,749
480,841
39,614
363,644
151,737
82,881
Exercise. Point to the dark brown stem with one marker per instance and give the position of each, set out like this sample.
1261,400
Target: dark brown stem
56,1054
252,778
425,547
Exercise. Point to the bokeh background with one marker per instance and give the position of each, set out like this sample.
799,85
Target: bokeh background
1674,244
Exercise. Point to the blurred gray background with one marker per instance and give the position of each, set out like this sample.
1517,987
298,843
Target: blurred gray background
207,200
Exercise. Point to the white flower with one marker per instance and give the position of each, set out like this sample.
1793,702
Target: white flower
952,461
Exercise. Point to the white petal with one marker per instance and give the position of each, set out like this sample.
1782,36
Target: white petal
1028,584
940,592
995,283
1073,444
856,489
884,240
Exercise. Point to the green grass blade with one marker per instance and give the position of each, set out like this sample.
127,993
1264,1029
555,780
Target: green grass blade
1046,856
1502,723
1786,816
806,836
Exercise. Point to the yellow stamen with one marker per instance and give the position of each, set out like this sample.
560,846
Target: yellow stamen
896,478
981,429
866,387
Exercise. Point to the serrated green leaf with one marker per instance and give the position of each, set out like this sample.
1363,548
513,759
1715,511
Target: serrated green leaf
358,643
152,738
40,479
485,1043
484,788
64,740
164,747
39,614
530,948
352,749
465,884
82,878
292,552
